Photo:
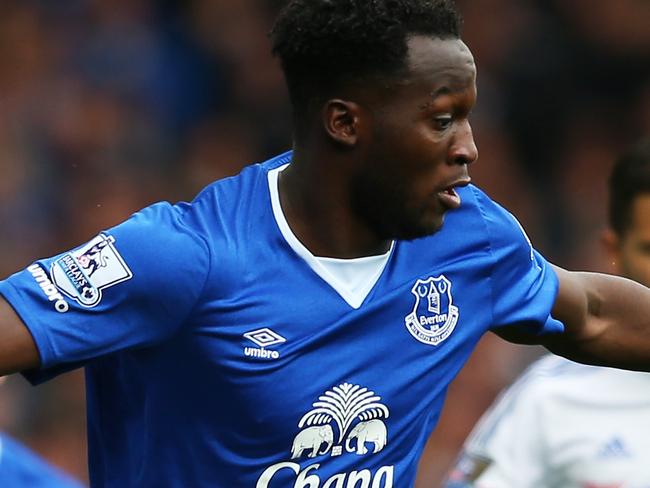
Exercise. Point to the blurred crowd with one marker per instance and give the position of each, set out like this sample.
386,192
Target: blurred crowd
109,105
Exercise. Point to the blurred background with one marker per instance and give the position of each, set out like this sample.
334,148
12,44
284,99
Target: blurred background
109,105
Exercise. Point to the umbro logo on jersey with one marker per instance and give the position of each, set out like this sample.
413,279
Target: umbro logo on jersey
434,316
51,291
264,338
345,420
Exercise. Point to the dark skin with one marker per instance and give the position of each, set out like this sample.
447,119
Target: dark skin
381,162
417,135
411,133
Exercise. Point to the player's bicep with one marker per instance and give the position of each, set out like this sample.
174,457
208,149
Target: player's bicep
591,306
572,302
18,351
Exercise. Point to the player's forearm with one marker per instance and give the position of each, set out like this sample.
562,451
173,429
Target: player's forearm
607,324
17,349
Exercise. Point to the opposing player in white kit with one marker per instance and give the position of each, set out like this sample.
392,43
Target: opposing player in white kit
297,325
564,424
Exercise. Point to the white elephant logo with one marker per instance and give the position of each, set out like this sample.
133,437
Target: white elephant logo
312,438
373,431
351,411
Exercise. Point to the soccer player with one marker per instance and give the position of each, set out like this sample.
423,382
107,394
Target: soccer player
297,325
567,424
21,468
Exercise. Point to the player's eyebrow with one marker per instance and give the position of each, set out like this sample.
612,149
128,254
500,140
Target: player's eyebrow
443,90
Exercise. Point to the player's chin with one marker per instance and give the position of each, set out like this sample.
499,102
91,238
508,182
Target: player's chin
432,226
424,226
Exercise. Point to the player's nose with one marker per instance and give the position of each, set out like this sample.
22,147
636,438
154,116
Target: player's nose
463,149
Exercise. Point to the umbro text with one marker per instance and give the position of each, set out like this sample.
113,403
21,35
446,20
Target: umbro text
253,352
51,291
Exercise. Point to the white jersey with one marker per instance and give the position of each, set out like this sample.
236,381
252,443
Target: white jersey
563,425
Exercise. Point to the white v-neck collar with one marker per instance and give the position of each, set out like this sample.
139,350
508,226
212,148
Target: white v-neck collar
354,297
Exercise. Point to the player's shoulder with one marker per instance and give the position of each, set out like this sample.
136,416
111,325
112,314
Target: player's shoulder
481,218
222,203
214,217
482,214
565,379
551,366
554,383
250,174
479,228
240,190
543,378
553,377
496,217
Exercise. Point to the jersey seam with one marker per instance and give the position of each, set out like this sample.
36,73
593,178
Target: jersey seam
490,247
204,241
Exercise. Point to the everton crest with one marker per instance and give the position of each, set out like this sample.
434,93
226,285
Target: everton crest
434,316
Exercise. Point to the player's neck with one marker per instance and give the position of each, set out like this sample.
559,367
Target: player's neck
316,204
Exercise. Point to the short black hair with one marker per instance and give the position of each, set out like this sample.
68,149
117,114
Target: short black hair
630,178
323,44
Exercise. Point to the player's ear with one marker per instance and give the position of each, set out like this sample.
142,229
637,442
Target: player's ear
341,120
611,243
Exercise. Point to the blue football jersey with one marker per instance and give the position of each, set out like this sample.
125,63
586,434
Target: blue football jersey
219,354
21,468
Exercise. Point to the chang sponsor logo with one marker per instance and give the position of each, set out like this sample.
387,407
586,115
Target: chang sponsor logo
346,420
51,291
308,477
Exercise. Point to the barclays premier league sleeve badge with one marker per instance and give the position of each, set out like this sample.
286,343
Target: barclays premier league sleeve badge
82,274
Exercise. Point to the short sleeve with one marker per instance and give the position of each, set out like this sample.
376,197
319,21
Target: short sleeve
524,284
131,286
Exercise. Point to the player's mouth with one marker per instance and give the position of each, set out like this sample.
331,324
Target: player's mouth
449,197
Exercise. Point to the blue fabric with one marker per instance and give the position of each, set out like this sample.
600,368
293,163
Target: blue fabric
21,468
224,360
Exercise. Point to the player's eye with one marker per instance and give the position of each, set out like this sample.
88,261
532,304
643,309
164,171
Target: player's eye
442,122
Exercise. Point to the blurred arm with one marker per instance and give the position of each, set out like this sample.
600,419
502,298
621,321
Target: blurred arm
606,319
18,351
